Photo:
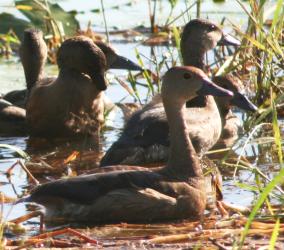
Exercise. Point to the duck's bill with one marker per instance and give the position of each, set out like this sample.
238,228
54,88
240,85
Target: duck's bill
100,81
227,40
124,63
243,102
210,88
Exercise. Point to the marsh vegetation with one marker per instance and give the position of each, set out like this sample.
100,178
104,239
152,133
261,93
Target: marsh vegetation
148,32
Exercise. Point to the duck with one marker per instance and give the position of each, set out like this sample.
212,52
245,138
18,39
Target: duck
54,107
136,194
33,55
73,103
145,137
12,120
38,59
231,125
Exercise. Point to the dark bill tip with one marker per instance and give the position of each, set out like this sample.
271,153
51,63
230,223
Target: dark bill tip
228,40
243,102
124,63
100,81
210,88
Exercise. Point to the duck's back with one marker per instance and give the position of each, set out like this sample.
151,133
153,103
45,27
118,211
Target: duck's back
145,138
52,105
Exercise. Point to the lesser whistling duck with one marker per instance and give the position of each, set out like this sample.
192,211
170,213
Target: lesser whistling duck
38,58
60,106
33,55
145,138
136,194
230,122
76,92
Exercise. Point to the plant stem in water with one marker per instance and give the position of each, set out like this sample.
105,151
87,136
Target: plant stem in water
103,11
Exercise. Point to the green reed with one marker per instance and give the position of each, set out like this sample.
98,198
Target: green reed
266,56
20,153
262,51
7,41
274,235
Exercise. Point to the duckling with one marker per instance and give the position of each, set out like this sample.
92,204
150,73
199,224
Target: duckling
38,59
12,119
145,138
136,194
230,122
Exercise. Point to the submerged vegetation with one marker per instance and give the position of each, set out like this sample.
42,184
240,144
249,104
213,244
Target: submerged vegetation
259,63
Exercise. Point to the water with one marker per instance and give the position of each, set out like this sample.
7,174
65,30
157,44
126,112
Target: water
130,13
12,77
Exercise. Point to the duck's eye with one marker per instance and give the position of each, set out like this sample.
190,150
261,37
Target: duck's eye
212,27
186,75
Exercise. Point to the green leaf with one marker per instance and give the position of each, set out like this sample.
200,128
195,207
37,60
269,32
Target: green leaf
177,41
266,191
40,14
9,22
173,3
277,133
19,151
274,235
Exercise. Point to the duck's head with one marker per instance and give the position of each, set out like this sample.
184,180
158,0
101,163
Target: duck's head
235,85
116,61
180,84
201,35
83,55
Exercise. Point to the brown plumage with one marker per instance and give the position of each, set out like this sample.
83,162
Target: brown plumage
12,120
145,137
76,92
231,125
73,103
136,194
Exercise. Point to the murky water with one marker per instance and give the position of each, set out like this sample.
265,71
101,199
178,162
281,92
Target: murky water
12,77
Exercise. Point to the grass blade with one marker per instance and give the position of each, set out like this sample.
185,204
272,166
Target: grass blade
266,191
274,235
19,151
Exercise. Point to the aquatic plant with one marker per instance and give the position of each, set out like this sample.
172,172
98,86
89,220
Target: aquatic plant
7,41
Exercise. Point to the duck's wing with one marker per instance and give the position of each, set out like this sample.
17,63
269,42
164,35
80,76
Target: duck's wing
87,189
121,205
146,128
128,205
9,112
16,97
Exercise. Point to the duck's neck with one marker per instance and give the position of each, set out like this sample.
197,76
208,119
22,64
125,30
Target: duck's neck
70,77
223,106
183,159
33,57
193,55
